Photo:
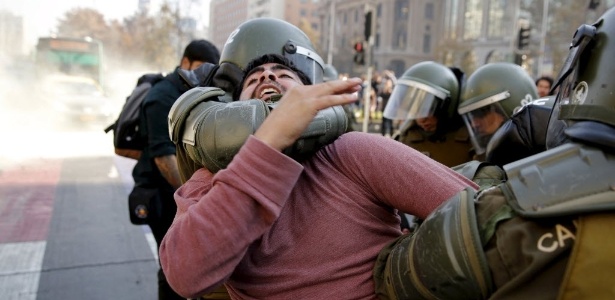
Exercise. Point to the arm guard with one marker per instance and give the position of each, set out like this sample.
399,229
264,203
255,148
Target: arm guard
212,132
570,179
443,260
327,125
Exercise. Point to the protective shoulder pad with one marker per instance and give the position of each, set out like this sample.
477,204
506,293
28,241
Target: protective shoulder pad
184,104
214,131
484,174
468,169
569,179
444,259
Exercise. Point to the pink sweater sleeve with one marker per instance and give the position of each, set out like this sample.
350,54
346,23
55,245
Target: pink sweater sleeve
219,216
395,174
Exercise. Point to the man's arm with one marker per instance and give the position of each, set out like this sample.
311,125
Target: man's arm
167,165
298,107
219,216
161,148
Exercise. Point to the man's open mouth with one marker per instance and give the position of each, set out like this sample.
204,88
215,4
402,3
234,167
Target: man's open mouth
268,92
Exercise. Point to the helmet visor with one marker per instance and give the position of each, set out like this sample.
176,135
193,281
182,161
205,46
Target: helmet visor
413,100
482,123
309,62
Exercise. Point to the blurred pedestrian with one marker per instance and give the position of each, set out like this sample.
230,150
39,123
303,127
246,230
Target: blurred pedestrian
543,86
425,99
156,174
384,93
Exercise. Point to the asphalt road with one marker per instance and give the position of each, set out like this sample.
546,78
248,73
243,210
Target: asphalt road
64,226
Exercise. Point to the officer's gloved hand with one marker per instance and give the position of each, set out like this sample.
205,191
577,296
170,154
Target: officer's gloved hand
523,135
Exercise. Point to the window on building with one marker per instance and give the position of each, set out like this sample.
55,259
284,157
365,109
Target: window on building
429,11
400,24
399,40
451,19
496,25
303,12
398,66
473,19
379,10
427,43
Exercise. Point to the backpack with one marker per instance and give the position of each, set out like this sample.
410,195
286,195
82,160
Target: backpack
127,139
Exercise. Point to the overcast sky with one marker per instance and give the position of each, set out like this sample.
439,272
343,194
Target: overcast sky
40,16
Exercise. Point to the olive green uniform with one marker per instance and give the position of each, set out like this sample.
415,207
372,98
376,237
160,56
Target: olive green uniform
450,149
543,234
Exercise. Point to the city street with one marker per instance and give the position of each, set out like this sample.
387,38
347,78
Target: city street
64,226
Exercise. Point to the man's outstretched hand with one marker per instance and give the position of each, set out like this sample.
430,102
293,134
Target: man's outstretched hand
298,107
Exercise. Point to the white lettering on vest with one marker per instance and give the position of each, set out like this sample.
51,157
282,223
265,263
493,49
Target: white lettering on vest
548,243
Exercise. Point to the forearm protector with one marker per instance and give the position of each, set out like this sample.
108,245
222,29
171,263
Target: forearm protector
212,132
443,260
327,125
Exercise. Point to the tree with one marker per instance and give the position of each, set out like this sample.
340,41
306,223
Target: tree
150,39
83,22
140,40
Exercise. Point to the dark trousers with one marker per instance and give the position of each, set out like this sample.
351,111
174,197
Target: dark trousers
159,229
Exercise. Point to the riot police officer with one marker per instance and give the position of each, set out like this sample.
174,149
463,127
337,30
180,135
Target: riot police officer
546,232
492,94
248,41
425,98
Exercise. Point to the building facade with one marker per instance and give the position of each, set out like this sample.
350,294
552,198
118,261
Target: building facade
462,33
226,15
11,34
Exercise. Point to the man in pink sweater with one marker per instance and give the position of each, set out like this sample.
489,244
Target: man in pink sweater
272,227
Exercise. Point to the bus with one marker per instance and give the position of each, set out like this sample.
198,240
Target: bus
70,56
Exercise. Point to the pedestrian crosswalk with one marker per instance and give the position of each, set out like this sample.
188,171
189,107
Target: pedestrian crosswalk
21,268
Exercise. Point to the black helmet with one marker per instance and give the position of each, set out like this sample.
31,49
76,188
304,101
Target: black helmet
586,99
